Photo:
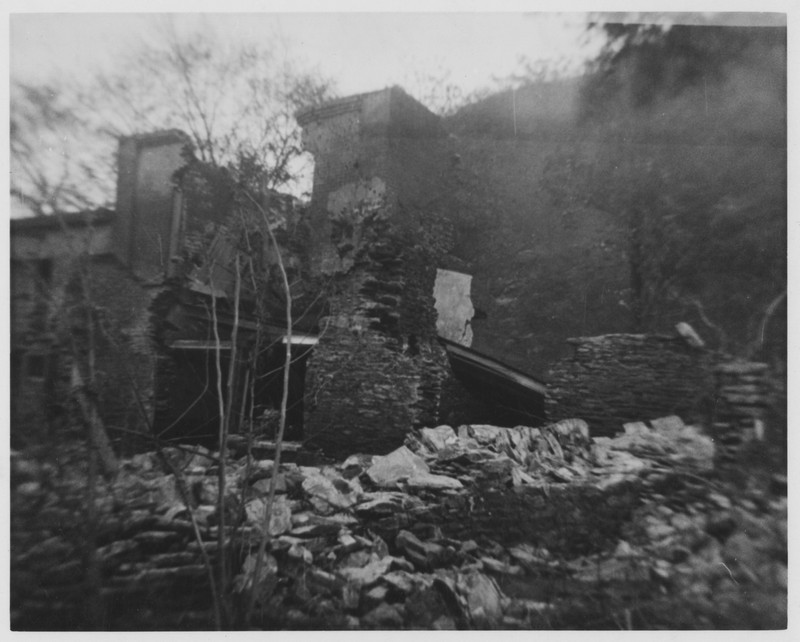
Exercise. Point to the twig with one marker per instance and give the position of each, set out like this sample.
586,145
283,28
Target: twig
282,426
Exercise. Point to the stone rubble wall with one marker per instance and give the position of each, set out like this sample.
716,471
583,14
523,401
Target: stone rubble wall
124,356
376,371
614,379
744,406
377,235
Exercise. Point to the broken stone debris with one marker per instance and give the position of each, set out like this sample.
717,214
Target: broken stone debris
397,466
327,563
280,516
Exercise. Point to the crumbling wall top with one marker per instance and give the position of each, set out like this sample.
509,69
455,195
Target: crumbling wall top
158,138
389,111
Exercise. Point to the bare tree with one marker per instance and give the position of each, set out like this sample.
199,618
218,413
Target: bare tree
57,163
436,89
235,100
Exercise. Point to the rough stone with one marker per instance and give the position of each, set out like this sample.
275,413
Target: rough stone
398,465
383,616
444,623
671,425
280,518
206,489
437,439
374,596
424,555
117,550
635,428
156,541
327,495
380,504
262,485
368,574
401,581
484,598
492,565
426,480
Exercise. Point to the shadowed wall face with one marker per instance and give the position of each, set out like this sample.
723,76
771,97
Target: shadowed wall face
377,369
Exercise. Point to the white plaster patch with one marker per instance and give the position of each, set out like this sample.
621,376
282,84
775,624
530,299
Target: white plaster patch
454,306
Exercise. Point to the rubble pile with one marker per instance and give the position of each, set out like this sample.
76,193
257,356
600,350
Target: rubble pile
475,527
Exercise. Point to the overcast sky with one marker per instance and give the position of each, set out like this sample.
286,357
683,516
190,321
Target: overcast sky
360,51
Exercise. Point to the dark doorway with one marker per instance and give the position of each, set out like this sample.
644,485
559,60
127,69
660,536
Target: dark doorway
269,388
187,408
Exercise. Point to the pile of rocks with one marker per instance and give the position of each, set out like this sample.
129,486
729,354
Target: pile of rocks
563,452
413,539
719,557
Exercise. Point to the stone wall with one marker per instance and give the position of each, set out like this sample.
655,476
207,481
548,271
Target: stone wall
747,408
49,317
103,265
126,352
43,255
116,354
618,378
614,379
376,370
377,239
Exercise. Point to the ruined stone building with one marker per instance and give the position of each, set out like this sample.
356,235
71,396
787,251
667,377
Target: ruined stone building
369,258
429,277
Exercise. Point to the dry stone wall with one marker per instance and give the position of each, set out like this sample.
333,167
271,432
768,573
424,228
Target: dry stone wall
614,379
746,409
377,370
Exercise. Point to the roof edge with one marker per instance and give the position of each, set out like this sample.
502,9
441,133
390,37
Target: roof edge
70,219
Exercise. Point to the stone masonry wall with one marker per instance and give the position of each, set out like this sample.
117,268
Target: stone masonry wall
376,371
378,368
618,378
50,312
126,358
746,409
122,357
